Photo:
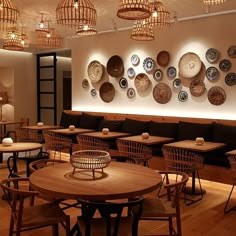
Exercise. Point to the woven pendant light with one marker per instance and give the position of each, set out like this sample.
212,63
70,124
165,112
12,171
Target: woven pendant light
8,14
160,15
41,26
86,30
142,31
213,1
74,13
12,40
133,9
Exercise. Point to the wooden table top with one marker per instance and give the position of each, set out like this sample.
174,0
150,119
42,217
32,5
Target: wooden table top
231,153
110,135
149,141
118,180
20,147
44,127
191,145
69,132
9,122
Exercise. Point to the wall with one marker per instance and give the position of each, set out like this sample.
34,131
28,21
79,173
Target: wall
186,36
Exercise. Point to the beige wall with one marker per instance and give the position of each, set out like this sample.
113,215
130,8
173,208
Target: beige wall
186,36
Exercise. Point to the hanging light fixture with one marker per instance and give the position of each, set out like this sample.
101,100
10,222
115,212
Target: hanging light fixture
48,39
12,40
86,30
41,26
160,16
142,31
24,39
80,14
133,9
8,14
213,1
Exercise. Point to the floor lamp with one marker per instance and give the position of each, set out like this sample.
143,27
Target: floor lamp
3,100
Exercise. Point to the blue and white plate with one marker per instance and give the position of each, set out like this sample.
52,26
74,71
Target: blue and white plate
177,84
148,64
183,96
123,82
225,65
135,60
212,55
130,93
131,72
230,79
93,92
212,73
171,72
157,75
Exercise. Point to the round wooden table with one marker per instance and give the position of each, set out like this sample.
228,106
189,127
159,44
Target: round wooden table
117,181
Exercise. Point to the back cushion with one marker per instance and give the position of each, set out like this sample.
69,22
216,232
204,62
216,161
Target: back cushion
163,129
188,130
112,125
90,121
69,119
134,127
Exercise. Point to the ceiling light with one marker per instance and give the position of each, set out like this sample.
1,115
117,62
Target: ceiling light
41,26
133,9
74,13
12,40
142,31
86,30
160,15
8,14
213,1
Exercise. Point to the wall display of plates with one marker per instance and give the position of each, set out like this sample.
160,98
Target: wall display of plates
197,87
107,92
130,93
148,64
225,65
216,96
85,83
183,96
93,92
115,66
135,60
131,72
163,58
230,79
189,65
232,51
212,55
123,82
157,74
177,84
95,71
162,93
171,72
141,82
212,73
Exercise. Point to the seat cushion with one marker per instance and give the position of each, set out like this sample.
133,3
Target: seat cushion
69,119
134,127
88,121
112,125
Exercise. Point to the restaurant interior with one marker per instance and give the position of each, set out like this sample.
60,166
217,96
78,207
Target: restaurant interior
120,96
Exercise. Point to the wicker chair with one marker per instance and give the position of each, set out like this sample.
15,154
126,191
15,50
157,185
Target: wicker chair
138,152
23,217
57,143
167,209
113,221
177,159
232,161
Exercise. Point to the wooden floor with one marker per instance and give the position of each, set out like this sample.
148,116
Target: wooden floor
205,217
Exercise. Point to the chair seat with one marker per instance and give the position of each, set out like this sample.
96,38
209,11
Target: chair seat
156,207
44,214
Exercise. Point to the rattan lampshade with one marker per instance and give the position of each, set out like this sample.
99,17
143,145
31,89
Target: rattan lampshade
160,16
12,40
133,9
69,14
213,1
42,26
86,30
142,31
8,14
44,41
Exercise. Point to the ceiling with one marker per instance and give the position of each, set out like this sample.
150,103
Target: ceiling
106,13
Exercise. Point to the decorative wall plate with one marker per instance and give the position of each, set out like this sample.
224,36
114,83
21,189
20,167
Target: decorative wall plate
131,72
85,83
148,64
171,72
212,73
177,84
197,87
157,74
123,82
130,93
232,51
93,92
163,58
225,65
135,60
107,92
141,82
115,66
230,79
183,96
162,93
95,71
212,55
216,95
